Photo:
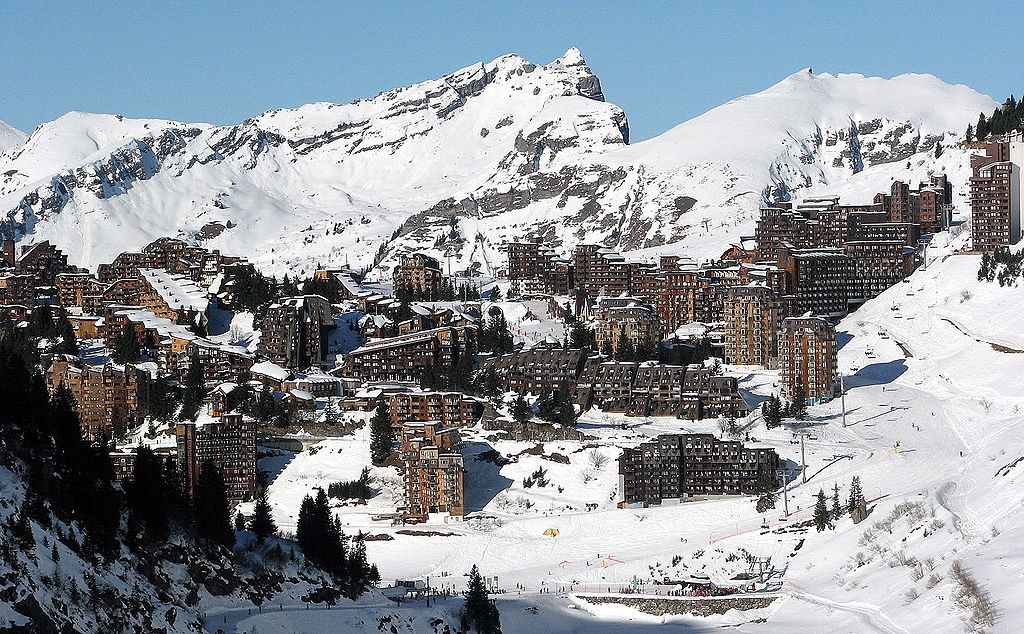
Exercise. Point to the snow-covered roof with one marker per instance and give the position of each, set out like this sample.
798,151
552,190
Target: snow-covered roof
272,370
163,326
178,291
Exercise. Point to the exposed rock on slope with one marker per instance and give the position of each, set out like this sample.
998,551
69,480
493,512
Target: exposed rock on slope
458,165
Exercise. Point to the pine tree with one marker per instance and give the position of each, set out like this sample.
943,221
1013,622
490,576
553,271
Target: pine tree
495,295
938,149
332,413
520,409
161,404
239,522
821,512
69,344
478,611
382,436
581,337
491,384
195,390
567,414
210,507
855,502
262,519
307,532
547,410
969,135
771,410
126,346
798,407
837,508
147,493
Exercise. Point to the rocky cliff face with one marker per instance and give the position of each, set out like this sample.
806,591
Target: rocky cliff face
457,165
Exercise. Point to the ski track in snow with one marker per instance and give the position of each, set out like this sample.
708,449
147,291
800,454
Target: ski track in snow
870,615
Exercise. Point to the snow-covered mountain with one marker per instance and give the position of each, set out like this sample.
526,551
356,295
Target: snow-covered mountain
10,136
458,165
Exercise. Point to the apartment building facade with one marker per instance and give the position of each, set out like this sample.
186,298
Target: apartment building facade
403,358
230,444
109,399
807,356
753,314
678,466
433,469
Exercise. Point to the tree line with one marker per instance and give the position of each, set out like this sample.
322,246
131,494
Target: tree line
1005,118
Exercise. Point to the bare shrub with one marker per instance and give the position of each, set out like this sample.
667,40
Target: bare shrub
972,598
933,581
917,573
597,459
860,559
910,595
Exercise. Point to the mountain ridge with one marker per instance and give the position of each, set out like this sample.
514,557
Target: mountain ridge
455,166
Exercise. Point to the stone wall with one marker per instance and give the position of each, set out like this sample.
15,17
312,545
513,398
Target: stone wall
695,606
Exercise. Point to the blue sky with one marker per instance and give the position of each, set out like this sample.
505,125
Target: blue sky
661,62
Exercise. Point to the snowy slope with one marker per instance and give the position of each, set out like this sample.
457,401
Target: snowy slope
460,164
10,136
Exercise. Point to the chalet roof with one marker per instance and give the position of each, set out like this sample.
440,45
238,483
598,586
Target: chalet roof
178,291
271,370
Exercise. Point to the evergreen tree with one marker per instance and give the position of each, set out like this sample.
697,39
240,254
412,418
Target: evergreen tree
566,407
307,532
837,509
358,569
382,436
969,135
986,266
40,322
771,410
938,149
491,384
147,493
520,409
567,414
262,519
239,522
429,378
547,410
496,336
821,520
210,507
161,404
580,336
69,344
798,407
495,295
263,409
332,413
478,611
195,390
126,346
856,500
981,130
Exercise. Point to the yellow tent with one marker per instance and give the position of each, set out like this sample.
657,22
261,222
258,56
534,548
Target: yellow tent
551,532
